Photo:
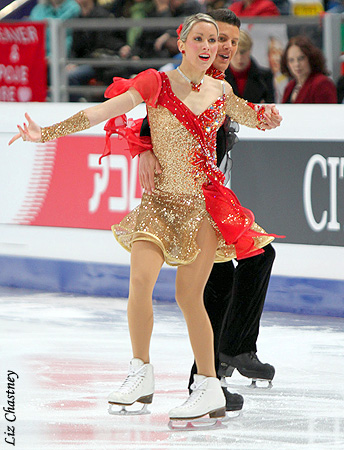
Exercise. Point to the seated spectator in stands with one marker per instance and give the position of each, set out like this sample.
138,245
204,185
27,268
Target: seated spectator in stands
143,44
335,6
56,9
283,6
244,8
153,43
275,52
248,80
90,44
305,64
211,5
138,9
340,89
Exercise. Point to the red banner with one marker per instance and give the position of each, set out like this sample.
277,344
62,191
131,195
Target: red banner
23,66
68,187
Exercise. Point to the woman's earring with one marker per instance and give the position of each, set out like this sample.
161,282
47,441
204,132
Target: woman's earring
183,51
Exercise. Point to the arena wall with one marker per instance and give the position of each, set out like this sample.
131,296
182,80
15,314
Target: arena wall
57,205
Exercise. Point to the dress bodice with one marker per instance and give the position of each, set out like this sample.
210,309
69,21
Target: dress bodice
186,161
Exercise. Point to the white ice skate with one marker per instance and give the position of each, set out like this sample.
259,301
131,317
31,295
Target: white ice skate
137,387
206,399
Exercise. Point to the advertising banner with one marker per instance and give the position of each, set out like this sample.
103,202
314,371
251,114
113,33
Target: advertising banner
68,187
23,66
295,188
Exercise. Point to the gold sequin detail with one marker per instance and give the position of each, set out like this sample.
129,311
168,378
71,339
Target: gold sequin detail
239,111
175,147
171,216
73,124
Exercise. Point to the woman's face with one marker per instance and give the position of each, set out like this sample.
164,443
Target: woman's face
201,45
298,63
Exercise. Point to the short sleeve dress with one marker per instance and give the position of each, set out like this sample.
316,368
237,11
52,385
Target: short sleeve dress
190,188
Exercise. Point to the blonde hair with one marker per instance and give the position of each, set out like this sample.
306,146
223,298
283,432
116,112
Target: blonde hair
245,42
190,21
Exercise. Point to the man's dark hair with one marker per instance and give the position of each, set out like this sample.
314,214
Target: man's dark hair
226,16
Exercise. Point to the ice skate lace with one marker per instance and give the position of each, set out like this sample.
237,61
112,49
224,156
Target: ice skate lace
254,356
196,394
134,378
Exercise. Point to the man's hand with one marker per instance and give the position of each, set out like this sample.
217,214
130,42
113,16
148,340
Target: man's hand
272,117
148,167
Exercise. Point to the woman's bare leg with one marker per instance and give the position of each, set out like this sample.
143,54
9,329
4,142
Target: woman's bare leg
146,262
190,283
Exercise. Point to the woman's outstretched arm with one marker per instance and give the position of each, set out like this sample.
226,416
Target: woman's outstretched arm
83,120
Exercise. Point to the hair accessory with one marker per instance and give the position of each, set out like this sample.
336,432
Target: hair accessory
179,30
194,86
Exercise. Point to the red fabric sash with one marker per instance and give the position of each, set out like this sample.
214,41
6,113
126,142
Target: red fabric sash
233,220
148,84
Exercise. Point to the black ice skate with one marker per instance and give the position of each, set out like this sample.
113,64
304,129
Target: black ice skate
248,365
234,402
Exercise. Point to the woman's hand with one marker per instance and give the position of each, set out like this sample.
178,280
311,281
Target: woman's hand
30,132
148,167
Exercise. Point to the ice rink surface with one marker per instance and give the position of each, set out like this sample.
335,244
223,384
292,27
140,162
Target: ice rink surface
71,351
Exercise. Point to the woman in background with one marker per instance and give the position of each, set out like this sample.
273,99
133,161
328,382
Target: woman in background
305,64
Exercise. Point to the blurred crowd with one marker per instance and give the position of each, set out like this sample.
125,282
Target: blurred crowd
291,68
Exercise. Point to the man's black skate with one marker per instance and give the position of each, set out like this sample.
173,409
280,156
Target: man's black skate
234,402
247,365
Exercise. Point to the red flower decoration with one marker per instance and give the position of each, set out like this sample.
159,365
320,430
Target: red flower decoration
179,30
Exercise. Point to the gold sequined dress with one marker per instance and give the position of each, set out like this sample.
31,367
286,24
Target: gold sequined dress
190,188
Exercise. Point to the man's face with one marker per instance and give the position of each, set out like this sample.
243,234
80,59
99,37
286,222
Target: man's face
227,45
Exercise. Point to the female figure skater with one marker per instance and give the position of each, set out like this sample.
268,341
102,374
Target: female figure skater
190,219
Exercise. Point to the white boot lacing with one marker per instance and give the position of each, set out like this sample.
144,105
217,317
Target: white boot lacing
133,379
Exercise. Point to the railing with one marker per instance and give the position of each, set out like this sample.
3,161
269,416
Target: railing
59,89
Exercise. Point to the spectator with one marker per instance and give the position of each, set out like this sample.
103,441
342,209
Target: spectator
244,8
56,9
179,8
143,45
275,52
91,43
212,5
138,9
340,89
283,6
152,43
336,6
305,64
248,80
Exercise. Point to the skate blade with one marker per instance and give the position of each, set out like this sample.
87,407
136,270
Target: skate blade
197,424
267,384
224,383
123,411
263,384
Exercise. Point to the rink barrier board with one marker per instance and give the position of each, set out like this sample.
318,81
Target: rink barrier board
309,296
312,159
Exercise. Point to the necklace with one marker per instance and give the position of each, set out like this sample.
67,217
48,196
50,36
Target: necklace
194,86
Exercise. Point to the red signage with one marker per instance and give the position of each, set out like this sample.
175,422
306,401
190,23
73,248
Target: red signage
23,66
68,187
